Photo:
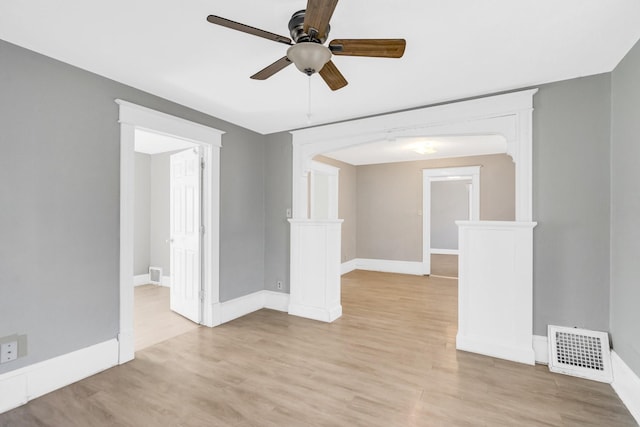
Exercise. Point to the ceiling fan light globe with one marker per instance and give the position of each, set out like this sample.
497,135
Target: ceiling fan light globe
309,57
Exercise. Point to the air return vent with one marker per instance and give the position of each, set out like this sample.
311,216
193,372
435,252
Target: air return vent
155,275
580,352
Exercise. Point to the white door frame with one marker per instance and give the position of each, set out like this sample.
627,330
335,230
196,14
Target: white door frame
445,174
134,117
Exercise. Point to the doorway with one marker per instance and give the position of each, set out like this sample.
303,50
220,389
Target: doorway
134,117
439,231
166,262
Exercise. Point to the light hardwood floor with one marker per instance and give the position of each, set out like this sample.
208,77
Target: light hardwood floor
154,321
389,361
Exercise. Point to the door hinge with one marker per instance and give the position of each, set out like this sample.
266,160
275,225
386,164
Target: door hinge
202,229
201,295
202,163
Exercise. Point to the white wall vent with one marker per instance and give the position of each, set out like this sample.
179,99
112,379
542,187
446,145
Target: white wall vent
155,275
580,352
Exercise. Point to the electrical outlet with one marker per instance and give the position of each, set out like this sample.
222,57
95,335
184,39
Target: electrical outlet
8,351
279,284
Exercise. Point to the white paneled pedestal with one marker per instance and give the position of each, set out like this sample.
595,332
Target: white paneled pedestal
495,289
315,269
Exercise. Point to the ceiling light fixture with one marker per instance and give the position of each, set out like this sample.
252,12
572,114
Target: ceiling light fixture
425,150
309,57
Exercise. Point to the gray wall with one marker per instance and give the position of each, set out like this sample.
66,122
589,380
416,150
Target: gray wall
277,187
347,205
389,198
142,204
625,209
59,189
242,214
152,213
449,203
571,126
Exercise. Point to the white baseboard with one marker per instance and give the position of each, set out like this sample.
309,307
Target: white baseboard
24,384
246,304
389,266
522,354
436,251
348,267
541,349
141,279
276,301
627,384
315,313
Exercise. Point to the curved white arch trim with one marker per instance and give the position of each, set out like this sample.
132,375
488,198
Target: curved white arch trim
509,115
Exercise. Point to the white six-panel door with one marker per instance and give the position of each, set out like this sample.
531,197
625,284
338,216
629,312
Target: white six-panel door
185,234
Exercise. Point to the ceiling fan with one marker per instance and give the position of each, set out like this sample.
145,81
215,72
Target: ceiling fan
309,30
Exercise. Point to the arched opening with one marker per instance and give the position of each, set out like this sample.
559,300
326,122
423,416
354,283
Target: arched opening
315,244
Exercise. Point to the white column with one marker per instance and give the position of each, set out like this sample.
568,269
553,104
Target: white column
315,269
495,289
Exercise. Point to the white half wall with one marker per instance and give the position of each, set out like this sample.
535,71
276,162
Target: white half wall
495,289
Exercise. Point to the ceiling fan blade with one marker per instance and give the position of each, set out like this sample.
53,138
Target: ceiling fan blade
332,76
380,48
317,16
247,29
270,70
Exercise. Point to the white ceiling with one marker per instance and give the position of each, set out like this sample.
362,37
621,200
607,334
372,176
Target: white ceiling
155,143
455,49
415,148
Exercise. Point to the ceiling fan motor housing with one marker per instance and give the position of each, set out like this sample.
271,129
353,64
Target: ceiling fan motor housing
296,29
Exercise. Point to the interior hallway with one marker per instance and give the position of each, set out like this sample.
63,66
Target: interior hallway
390,360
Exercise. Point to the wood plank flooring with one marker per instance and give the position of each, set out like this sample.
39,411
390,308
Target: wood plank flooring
154,321
389,361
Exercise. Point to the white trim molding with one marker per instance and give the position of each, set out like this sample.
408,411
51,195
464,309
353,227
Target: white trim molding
241,306
141,279
22,385
541,349
626,384
389,266
132,117
348,266
444,174
435,251
509,115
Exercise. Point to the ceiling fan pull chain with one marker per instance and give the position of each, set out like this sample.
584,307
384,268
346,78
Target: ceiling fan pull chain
309,104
